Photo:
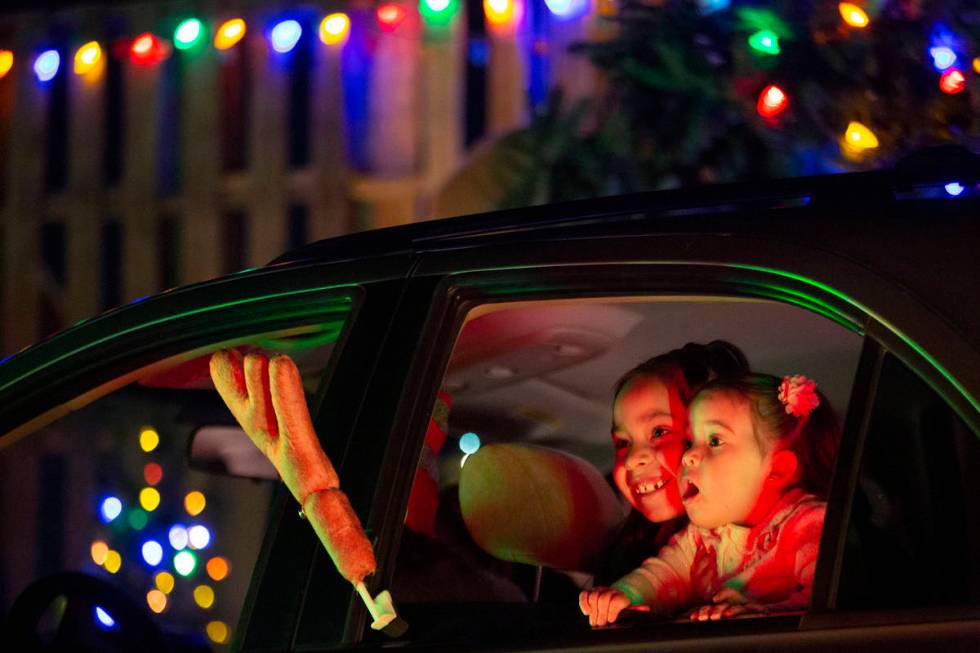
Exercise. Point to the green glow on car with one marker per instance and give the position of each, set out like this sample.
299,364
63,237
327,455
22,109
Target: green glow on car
328,305
888,325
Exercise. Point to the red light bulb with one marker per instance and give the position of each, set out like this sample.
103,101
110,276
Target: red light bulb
952,81
772,101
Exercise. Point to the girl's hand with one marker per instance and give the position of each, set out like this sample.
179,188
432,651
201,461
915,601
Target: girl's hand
602,605
726,603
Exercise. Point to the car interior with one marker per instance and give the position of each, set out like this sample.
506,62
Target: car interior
530,381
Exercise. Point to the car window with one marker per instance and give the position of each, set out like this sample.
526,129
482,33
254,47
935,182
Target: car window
914,535
543,374
111,490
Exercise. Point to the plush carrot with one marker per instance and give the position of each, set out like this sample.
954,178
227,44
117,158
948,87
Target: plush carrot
266,397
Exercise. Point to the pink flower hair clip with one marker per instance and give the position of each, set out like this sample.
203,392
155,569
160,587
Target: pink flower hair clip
799,395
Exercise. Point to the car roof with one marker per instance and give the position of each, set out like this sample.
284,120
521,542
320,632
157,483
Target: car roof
899,224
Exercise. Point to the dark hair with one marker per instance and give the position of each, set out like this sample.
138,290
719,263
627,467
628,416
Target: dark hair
813,438
689,367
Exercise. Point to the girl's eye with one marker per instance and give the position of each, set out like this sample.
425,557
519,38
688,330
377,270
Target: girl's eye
714,441
620,444
660,432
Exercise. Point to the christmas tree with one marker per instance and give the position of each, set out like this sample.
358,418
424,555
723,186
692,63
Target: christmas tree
713,91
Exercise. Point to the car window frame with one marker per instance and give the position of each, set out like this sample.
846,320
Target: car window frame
787,272
91,355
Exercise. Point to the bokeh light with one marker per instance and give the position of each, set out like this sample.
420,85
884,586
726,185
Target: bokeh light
185,562
853,15
204,596
178,537
194,503
87,57
390,16
198,536
952,81
942,57
954,188
137,519
157,601
46,65
502,15
164,582
469,442
218,568
147,50
103,618
334,28
149,438
772,101
110,509
152,552
188,33
765,42
217,631
285,35
113,561
152,473
99,552
6,62
231,32
567,9
149,498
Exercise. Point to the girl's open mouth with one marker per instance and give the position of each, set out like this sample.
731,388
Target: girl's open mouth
690,491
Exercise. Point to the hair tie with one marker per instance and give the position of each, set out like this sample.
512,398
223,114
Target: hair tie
799,395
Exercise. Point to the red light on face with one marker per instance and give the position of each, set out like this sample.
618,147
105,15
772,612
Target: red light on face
390,16
772,101
147,49
952,81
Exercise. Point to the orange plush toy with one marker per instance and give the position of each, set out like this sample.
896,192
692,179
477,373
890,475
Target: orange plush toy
266,397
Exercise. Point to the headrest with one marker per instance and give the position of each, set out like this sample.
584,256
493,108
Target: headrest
538,506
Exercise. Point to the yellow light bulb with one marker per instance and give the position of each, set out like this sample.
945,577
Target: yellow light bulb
204,596
231,32
860,137
853,15
113,561
194,503
217,631
149,498
165,582
976,66
6,62
149,438
334,28
87,57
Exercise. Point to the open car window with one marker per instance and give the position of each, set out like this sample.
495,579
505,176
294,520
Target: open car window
914,533
149,484
541,376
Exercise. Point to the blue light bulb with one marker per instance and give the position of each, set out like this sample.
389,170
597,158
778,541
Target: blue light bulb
285,35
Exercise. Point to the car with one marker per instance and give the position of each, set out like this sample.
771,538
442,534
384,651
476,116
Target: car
137,515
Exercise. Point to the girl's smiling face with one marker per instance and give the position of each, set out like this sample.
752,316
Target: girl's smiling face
649,424
725,469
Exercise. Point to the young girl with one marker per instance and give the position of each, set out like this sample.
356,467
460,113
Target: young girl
649,434
760,461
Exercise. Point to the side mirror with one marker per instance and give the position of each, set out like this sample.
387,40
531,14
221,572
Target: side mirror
228,450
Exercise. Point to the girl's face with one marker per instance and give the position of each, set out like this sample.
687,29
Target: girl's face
725,470
649,423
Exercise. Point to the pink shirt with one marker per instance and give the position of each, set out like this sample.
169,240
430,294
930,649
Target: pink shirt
771,563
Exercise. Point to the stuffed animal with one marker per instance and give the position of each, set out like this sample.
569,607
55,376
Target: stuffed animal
266,397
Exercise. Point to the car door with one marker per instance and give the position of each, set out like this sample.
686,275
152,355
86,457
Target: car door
96,423
758,257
